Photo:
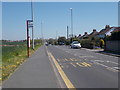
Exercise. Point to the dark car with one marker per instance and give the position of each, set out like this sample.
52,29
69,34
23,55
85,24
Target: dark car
47,44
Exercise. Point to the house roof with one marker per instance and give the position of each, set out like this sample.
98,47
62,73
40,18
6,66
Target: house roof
103,31
84,36
116,29
93,33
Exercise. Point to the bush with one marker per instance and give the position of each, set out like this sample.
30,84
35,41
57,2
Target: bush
37,41
67,42
90,43
86,43
62,39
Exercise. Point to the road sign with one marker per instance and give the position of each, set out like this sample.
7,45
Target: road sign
30,23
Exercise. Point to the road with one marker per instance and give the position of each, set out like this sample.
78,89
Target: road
61,66
85,68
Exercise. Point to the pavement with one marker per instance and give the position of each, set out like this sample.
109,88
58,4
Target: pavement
63,67
36,72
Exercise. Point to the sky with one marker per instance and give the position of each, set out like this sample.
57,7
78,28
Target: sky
55,17
0,20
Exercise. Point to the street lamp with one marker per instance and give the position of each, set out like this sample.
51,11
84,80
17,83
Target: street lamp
32,27
67,31
42,32
71,23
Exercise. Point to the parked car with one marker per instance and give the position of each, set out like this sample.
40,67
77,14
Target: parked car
75,44
47,44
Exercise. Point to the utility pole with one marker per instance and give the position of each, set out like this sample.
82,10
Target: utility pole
67,31
71,23
32,27
42,30
56,35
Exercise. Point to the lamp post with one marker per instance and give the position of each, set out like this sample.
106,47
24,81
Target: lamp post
67,31
71,23
42,32
32,27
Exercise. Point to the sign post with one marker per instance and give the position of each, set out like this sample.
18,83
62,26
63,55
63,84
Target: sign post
29,25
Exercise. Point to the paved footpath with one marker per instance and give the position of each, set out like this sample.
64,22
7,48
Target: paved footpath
36,72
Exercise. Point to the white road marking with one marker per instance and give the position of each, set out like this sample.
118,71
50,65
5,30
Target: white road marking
117,68
105,61
105,66
98,60
112,69
67,51
112,62
75,54
85,56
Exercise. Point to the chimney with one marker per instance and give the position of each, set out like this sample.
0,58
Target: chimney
94,30
107,26
79,34
85,33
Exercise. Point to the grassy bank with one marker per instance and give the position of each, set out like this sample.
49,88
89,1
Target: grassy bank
13,56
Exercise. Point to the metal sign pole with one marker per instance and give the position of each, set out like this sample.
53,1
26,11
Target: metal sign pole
27,39
29,25
67,31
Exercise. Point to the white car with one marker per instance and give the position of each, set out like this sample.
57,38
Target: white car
75,44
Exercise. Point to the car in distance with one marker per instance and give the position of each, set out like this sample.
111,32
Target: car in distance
47,44
75,44
61,43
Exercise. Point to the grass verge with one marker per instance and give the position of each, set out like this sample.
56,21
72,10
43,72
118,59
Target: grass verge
12,58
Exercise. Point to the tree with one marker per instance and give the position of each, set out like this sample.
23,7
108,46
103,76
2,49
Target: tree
62,39
51,41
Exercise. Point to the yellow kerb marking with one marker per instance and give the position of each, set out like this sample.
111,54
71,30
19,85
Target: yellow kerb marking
63,75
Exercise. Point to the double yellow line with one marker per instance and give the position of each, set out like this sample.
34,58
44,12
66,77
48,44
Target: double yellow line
63,75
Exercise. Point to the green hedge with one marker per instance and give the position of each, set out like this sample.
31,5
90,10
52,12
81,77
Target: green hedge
86,43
